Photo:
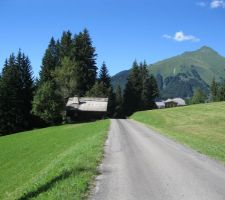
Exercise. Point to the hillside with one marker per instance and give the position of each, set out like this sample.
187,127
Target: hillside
179,76
200,127
51,163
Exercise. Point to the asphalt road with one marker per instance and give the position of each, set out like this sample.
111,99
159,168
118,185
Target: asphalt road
141,164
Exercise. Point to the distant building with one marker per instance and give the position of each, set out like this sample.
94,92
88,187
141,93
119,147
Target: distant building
160,104
174,102
169,103
179,101
86,108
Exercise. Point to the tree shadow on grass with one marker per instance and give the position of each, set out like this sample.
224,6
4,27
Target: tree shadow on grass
50,184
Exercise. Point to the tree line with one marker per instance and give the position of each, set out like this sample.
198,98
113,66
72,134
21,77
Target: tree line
217,93
68,69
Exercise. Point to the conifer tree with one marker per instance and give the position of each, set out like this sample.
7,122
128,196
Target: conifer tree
221,92
104,76
50,61
118,102
140,91
102,86
66,45
85,57
154,87
214,90
132,92
27,87
111,103
11,113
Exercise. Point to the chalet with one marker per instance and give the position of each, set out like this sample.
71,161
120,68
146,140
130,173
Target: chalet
174,102
86,108
169,103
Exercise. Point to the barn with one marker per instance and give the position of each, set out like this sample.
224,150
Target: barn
86,108
169,103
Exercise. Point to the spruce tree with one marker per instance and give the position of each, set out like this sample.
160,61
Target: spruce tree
111,103
11,112
16,93
85,57
50,61
27,87
104,76
132,92
154,87
221,92
140,91
102,86
146,88
146,97
66,45
214,90
118,102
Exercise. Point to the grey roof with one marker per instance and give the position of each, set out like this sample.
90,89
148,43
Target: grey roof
88,104
169,100
179,101
160,104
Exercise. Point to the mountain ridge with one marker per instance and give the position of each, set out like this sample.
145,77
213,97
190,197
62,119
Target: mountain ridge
181,75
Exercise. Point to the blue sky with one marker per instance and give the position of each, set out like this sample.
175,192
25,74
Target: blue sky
121,30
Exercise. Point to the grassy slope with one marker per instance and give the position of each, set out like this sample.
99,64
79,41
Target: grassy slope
208,63
201,127
51,163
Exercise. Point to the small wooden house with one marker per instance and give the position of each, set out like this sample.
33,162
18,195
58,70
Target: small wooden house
169,103
86,108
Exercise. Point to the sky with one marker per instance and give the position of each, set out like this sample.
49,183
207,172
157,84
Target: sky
121,30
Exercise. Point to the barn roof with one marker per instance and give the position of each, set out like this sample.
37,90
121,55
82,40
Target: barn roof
179,101
92,104
160,104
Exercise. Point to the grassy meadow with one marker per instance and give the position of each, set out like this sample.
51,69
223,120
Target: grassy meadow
201,127
51,163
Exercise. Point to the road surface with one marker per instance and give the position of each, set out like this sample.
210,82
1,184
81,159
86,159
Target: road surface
140,164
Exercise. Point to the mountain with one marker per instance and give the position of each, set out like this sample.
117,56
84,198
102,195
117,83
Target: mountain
179,76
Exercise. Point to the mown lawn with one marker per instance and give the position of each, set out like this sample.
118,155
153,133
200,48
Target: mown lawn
201,127
52,163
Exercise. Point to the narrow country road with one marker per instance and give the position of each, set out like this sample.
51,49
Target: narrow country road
143,165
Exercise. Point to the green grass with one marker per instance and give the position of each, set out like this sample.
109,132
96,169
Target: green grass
201,127
52,163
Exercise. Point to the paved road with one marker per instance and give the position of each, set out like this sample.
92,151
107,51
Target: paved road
141,164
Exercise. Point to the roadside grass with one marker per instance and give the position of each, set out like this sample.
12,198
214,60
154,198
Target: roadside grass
201,127
51,163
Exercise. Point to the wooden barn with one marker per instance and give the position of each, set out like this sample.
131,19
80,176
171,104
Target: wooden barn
169,103
86,108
